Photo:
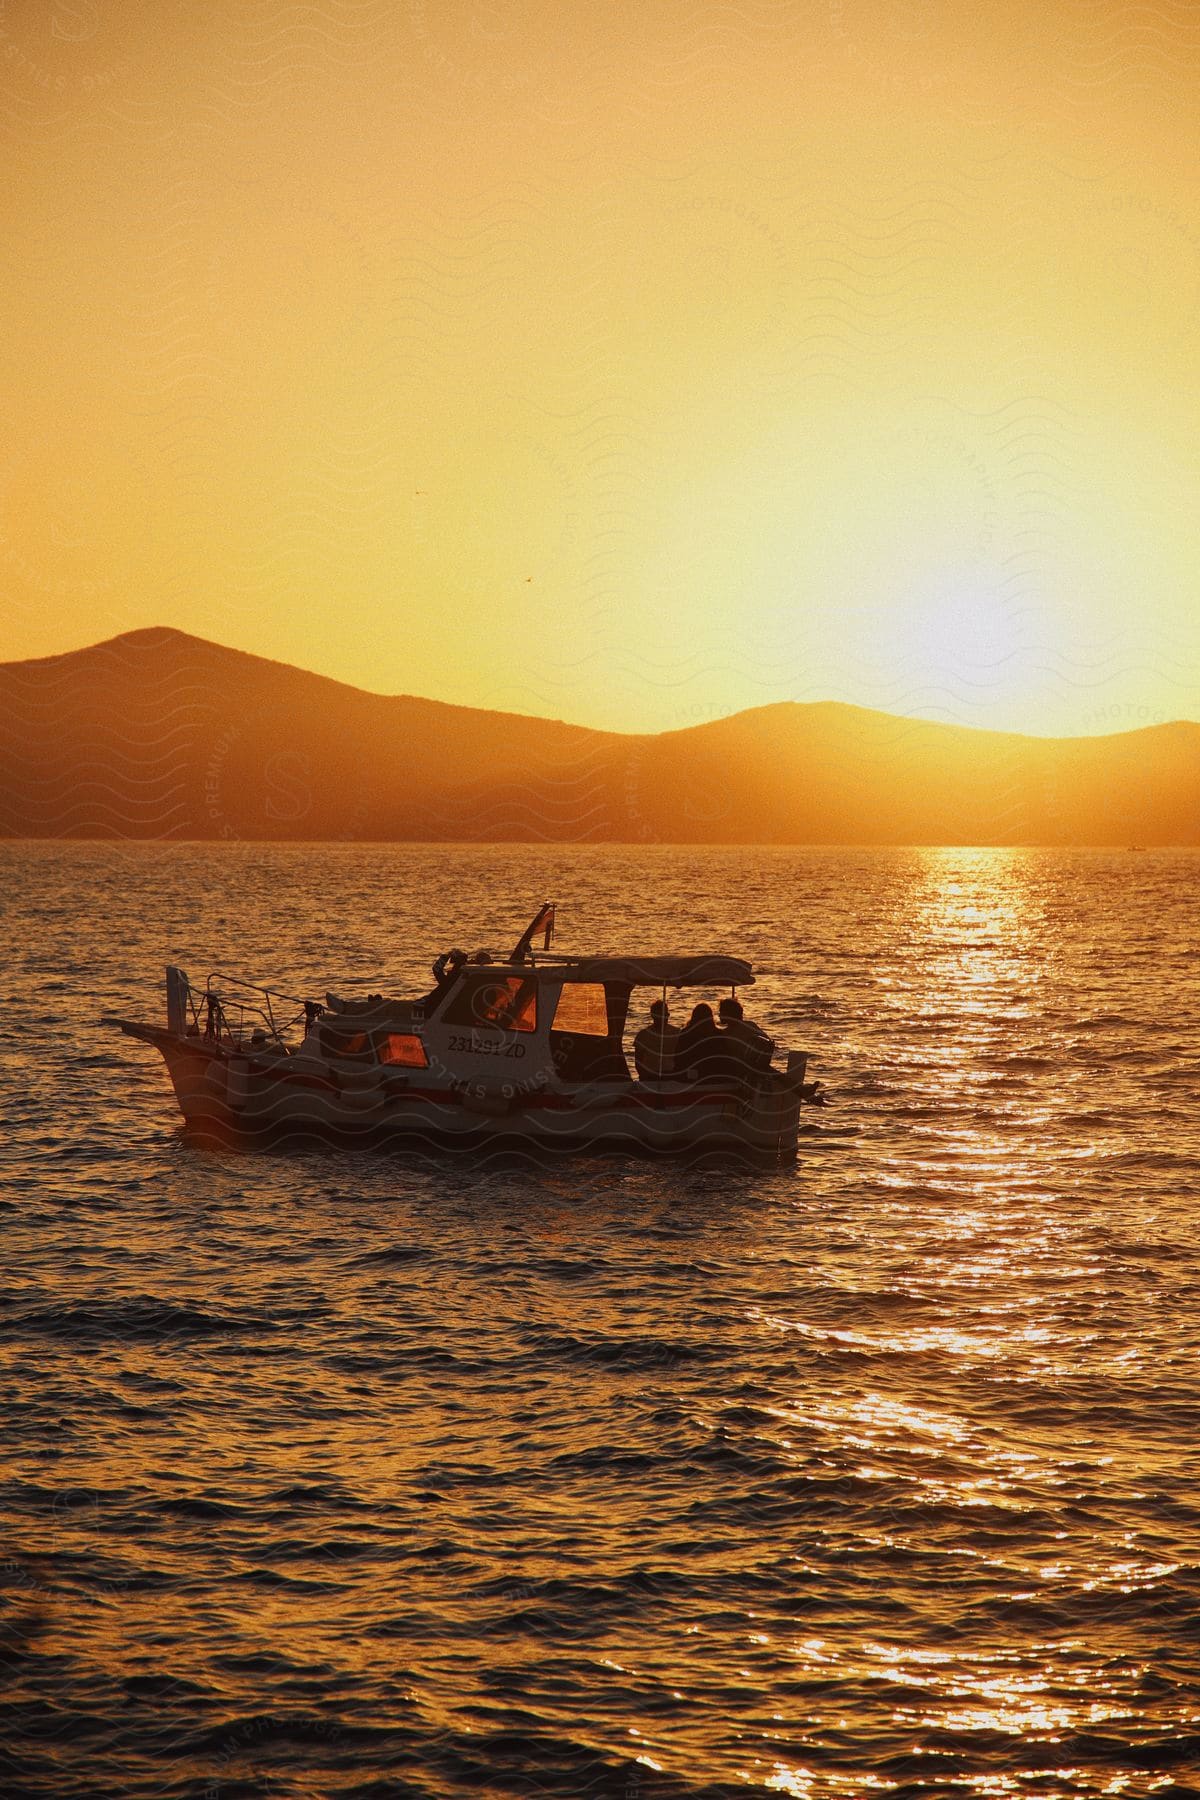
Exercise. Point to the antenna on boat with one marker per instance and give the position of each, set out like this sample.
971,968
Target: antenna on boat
543,920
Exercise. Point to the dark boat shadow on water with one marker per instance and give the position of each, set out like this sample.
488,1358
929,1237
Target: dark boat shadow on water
550,1192
484,1155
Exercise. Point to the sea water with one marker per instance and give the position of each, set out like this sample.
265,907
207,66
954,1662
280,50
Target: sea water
332,1474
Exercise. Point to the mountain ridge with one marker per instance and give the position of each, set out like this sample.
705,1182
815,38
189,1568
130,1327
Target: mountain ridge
157,733
154,636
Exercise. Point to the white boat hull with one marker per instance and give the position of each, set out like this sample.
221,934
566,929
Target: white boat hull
228,1095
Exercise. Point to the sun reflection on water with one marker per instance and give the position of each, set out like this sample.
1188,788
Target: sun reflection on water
974,1133
973,930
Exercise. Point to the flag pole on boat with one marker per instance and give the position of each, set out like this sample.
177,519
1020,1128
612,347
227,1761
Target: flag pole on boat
543,920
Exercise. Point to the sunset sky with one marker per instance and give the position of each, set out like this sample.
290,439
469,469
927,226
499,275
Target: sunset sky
629,363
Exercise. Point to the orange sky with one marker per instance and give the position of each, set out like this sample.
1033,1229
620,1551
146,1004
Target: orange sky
626,363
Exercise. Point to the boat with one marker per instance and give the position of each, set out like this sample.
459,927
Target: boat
522,1052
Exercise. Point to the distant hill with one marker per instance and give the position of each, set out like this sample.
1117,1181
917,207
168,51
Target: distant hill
156,734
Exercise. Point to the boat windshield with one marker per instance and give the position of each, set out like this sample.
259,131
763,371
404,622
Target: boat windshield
494,1002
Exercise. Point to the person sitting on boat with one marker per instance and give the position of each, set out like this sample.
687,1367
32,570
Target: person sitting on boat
447,968
655,1045
754,1047
701,1052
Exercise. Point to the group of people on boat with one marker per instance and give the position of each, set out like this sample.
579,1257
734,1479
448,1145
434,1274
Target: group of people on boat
736,1049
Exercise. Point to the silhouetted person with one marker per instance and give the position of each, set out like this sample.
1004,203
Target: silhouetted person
448,967
446,971
700,1051
751,1042
655,1045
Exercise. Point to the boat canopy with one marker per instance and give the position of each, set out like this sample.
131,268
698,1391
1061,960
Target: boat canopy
651,971
618,971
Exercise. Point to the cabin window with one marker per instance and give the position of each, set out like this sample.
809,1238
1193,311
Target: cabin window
345,1043
497,1003
582,1009
401,1050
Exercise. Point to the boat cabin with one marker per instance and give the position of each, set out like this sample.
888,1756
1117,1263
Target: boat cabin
521,1022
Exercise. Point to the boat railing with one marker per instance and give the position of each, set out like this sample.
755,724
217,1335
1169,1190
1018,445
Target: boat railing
229,1007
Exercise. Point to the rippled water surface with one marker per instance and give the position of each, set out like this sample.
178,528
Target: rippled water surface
337,1475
